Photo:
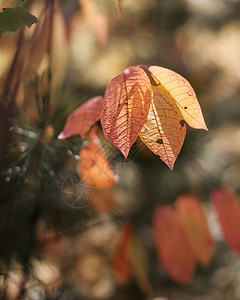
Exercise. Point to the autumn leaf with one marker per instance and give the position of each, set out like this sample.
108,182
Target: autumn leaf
180,90
173,247
227,207
192,216
93,165
165,130
173,103
121,258
125,108
80,121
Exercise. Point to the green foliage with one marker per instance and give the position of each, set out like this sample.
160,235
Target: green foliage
11,19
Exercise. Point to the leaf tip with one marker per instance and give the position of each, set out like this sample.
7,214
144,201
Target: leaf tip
61,136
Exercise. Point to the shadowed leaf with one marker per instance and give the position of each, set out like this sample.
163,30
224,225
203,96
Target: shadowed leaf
193,218
125,108
93,165
162,133
80,121
227,207
173,247
12,19
121,259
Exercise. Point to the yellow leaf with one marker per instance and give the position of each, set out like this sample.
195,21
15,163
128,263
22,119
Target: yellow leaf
164,131
180,90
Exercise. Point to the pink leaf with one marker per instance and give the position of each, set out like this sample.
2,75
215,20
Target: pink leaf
226,204
125,107
80,121
173,247
193,218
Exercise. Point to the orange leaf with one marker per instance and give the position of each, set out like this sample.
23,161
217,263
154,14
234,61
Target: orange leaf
192,216
121,259
165,130
80,121
227,207
173,247
125,107
93,165
180,90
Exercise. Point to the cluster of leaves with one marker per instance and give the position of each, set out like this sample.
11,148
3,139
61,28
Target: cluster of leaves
182,235
154,104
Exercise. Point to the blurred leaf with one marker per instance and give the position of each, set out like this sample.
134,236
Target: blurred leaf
80,121
139,265
121,259
173,247
227,207
193,218
96,20
93,165
125,107
12,19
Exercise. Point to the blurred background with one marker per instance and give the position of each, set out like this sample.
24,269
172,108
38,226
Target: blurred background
53,247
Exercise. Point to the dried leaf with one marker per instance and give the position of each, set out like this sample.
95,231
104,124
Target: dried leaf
173,247
80,121
180,90
93,165
193,218
164,131
121,259
227,207
125,108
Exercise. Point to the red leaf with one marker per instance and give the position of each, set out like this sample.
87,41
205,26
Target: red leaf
227,207
93,165
125,107
173,247
193,218
121,259
80,121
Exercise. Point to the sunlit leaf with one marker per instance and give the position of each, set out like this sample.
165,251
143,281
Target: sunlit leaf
173,103
173,247
180,90
93,165
165,130
80,121
227,207
12,19
193,218
121,259
125,108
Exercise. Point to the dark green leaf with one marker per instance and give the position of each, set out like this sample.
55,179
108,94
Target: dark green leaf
13,18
